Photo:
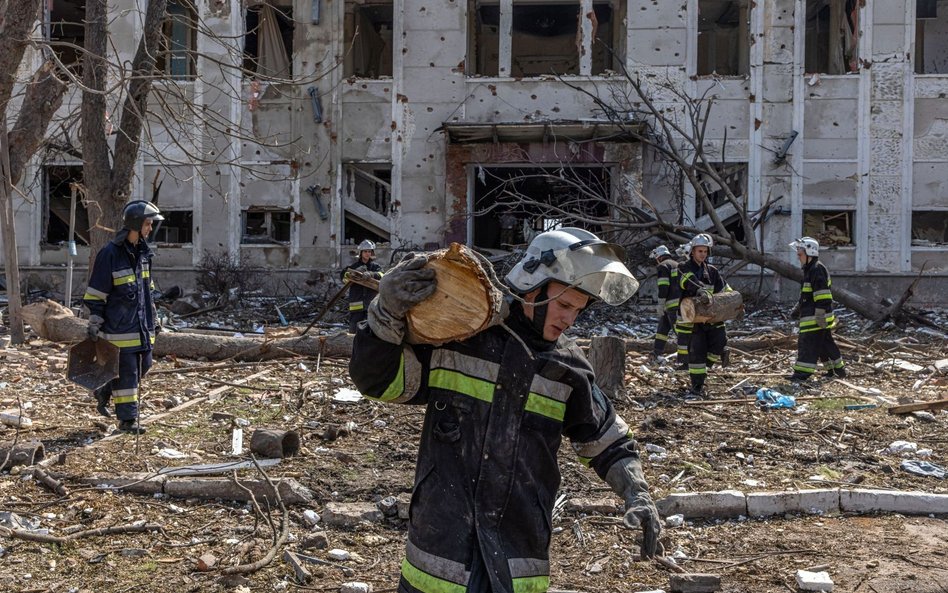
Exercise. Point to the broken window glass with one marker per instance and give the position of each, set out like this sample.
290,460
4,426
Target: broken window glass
268,41
57,198
832,36
266,226
176,228
734,176
176,56
368,39
929,228
723,38
829,227
931,37
66,32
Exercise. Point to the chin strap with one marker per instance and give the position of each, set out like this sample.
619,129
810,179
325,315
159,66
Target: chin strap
539,311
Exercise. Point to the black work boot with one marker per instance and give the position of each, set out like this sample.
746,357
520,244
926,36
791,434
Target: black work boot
102,403
798,377
131,427
841,372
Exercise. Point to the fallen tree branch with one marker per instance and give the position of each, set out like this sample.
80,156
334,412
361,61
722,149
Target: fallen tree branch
53,484
278,542
100,531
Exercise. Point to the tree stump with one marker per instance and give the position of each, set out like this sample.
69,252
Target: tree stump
607,357
29,453
271,443
723,307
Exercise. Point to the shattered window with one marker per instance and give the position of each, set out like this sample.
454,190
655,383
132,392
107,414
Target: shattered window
175,229
268,40
266,226
66,32
931,37
368,39
832,36
176,57
734,176
829,227
929,228
723,38
57,198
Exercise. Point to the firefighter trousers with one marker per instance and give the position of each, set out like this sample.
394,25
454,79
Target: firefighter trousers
355,317
817,346
123,391
683,335
707,344
665,324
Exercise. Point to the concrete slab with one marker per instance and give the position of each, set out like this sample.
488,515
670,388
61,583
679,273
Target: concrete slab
724,504
765,504
887,501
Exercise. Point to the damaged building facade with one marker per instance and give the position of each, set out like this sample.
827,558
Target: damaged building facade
286,131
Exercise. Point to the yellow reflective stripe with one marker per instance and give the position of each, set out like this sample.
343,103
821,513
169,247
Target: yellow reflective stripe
821,295
661,337
664,282
455,381
126,343
123,280
397,386
545,406
95,295
671,303
146,273
356,306
427,583
92,297
531,584
697,369
151,338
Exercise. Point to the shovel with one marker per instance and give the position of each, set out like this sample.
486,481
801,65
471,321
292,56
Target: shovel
92,364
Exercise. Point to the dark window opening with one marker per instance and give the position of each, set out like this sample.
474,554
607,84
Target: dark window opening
266,226
58,196
723,38
176,229
513,204
832,36
356,232
368,37
67,32
176,56
544,39
370,185
829,227
483,39
268,40
931,37
734,177
929,228
606,52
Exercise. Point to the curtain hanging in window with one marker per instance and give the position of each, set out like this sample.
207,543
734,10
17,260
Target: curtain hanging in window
272,59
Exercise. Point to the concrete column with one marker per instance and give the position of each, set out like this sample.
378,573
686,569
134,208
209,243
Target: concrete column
506,37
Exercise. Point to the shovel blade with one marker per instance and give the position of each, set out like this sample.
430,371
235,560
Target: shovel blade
92,364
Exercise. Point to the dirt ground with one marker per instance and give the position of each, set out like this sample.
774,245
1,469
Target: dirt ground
364,451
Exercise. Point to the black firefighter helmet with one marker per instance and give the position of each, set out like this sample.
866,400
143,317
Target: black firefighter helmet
135,214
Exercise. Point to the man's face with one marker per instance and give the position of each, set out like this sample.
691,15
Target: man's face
561,312
365,256
699,253
146,228
801,255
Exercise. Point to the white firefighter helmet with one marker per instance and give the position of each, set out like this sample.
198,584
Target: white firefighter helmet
808,244
683,250
660,251
366,245
576,258
702,240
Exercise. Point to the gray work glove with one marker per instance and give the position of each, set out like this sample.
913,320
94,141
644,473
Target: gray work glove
403,287
821,318
704,296
92,330
795,312
626,479
660,309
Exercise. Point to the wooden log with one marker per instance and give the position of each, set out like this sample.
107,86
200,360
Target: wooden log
28,453
56,323
303,576
694,583
271,443
723,307
50,482
465,302
291,491
941,404
607,357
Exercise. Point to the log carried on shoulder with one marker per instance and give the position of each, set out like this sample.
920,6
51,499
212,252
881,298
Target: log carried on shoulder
724,306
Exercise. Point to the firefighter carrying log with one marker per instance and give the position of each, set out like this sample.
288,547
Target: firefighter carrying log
682,328
815,310
668,290
360,296
701,280
497,405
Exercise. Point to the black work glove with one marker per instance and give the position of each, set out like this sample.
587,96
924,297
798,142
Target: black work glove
92,330
626,479
403,287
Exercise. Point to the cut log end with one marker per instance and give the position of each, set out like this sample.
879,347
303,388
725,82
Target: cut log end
273,444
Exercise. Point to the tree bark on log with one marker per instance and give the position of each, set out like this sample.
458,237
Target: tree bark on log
28,453
724,306
272,444
607,357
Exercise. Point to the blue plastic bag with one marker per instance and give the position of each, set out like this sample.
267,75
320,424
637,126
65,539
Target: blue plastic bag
772,400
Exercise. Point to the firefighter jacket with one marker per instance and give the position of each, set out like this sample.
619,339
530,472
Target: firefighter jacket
119,292
360,296
669,290
694,277
816,294
487,474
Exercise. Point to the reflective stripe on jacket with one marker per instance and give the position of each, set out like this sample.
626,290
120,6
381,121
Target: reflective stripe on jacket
816,293
668,287
487,473
119,291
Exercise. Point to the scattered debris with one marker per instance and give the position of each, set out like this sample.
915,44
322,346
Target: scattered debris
814,581
923,468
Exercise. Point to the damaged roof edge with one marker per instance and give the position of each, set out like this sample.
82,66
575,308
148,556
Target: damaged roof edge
574,130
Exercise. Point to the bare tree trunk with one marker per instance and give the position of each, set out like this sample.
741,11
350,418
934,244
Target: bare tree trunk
44,95
607,357
14,36
11,260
